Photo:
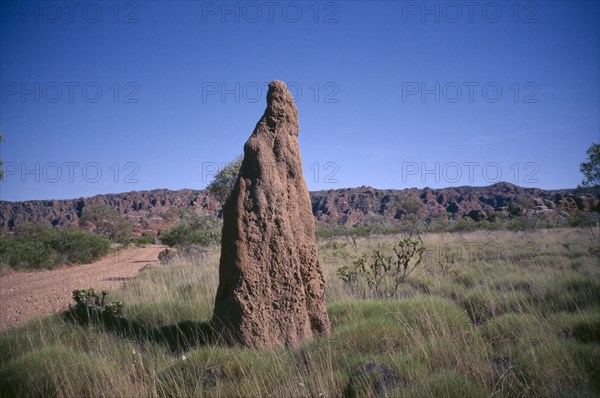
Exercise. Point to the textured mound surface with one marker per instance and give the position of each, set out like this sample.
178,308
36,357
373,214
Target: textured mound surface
271,287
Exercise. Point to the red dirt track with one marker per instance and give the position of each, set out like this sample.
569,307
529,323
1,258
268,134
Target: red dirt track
26,295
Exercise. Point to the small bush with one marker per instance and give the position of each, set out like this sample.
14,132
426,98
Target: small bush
196,227
89,305
143,240
385,272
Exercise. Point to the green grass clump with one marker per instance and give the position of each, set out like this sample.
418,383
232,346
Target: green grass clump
52,371
446,384
482,305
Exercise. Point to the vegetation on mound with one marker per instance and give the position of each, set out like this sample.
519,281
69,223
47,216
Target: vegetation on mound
516,315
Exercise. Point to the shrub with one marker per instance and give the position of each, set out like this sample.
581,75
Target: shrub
106,221
195,227
79,246
384,273
143,240
49,247
91,305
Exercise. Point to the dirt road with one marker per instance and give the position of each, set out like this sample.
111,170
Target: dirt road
26,295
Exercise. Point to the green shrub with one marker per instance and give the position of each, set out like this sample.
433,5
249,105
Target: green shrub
48,248
196,227
143,240
80,247
222,185
89,305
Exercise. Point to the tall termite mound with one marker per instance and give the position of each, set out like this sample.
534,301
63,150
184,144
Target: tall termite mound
271,286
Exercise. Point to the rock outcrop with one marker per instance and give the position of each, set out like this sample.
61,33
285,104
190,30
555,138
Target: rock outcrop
148,211
271,287
352,206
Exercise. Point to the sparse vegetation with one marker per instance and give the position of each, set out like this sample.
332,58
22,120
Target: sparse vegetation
516,315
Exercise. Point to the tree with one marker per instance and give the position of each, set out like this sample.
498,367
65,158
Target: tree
106,221
411,204
222,185
195,227
591,168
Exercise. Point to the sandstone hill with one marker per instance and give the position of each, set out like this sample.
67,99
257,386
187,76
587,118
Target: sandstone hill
147,210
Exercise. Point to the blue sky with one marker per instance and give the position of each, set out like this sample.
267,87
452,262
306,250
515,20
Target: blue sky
102,97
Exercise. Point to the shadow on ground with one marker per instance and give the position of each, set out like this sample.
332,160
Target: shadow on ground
178,337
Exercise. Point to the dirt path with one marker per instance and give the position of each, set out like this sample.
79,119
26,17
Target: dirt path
26,295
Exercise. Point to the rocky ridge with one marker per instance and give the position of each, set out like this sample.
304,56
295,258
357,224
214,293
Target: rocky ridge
147,210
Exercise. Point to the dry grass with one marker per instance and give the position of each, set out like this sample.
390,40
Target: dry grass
517,314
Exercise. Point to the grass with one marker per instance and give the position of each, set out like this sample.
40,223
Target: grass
517,314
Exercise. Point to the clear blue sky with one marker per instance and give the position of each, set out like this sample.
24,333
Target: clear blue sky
390,94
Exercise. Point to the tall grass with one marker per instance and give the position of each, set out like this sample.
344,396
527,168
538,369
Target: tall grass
517,314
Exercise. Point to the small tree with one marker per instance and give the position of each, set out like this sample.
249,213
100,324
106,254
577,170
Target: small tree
591,168
106,221
222,185
194,227
411,204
